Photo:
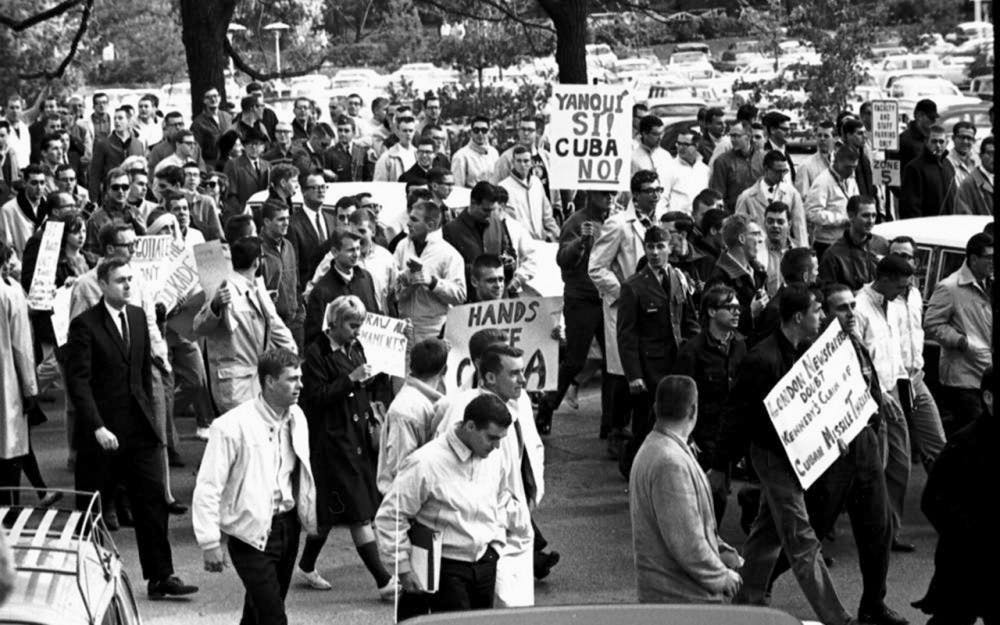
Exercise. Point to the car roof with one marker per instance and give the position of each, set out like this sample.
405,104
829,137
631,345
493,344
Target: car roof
633,614
952,231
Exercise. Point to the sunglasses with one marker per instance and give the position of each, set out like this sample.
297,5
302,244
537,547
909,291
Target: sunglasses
67,179
118,187
480,130
210,185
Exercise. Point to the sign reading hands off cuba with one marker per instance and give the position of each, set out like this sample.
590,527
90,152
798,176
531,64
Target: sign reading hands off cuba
591,137
822,399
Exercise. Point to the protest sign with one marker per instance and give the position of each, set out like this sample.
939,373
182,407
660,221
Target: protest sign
821,400
591,136
60,314
547,282
215,265
180,278
526,323
43,281
384,341
885,125
150,259
887,172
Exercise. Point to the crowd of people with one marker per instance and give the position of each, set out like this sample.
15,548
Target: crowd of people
693,294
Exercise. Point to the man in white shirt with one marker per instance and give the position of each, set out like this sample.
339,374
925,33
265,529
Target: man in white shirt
687,175
476,161
826,142
962,156
20,138
648,154
826,201
526,197
146,123
457,486
398,159
255,485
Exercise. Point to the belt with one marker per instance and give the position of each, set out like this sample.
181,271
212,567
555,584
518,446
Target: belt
284,516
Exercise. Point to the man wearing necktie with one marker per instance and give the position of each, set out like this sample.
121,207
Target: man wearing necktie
655,316
109,370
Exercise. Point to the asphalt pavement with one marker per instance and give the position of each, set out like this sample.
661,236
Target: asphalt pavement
584,516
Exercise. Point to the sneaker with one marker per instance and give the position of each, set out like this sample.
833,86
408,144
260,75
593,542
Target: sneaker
387,593
169,587
313,579
201,434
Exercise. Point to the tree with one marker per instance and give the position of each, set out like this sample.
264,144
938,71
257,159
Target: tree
203,31
484,45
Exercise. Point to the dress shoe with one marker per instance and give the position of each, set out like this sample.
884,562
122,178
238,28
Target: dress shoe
881,615
176,508
900,547
169,587
111,521
544,563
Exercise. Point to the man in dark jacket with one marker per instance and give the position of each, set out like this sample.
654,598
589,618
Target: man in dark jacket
209,125
913,139
344,278
783,523
955,503
851,259
929,180
655,316
712,358
738,268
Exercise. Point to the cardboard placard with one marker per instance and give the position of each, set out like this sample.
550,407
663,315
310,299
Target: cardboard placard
384,340
822,399
60,314
215,264
43,281
526,322
591,137
151,258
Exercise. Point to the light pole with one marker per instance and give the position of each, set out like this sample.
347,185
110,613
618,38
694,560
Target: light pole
276,28
232,29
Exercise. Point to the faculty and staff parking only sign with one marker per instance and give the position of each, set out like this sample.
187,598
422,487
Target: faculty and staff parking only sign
591,134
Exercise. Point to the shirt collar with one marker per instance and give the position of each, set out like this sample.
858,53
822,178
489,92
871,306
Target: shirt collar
111,311
269,415
459,448
428,391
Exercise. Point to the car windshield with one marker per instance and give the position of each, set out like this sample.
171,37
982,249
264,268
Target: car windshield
676,110
687,57
926,88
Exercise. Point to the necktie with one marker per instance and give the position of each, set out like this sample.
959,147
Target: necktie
17,131
527,477
320,226
125,336
256,169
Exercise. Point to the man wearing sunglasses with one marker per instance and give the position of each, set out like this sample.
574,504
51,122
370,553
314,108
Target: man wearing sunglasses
66,182
109,153
687,175
115,207
173,123
475,162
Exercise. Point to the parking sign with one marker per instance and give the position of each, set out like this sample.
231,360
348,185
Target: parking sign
885,125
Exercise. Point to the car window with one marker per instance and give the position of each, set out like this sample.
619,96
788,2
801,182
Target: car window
921,64
951,261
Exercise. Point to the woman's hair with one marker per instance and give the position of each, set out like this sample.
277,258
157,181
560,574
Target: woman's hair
343,308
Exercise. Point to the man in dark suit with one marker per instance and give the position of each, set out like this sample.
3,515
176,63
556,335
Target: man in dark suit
247,174
344,278
311,226
655,316
109,379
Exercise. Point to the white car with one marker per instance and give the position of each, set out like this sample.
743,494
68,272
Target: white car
910,89
357,78
922,63
675,108
601,54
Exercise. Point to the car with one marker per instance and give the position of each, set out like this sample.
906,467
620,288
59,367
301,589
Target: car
600,54
675,109
67,569
981,87
909,90
738,55
922,63
356,78
878,53
940,251
634,614
693,46
978,114
632,69
967,30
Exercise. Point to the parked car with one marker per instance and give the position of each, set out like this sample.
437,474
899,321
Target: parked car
739,55
601,54
981,87
67,568
636,614
673,109
940,251
909,90
955,71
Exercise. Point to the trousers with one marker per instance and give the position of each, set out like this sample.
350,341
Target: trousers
267,574
463,586
782,524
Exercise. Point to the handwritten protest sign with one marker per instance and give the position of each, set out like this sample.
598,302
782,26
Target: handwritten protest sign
822,399
151,257
43,281
591,133
214,262
526,323
180,278
384,340
60,314
885,125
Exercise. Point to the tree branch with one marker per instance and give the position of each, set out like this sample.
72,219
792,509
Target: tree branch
241,64
73,48
20,25
507,14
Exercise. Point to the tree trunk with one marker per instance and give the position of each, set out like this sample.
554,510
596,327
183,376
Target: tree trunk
203,32
569,17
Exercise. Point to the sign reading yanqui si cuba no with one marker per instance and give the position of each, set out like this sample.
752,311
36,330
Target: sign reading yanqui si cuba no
591,133
822,399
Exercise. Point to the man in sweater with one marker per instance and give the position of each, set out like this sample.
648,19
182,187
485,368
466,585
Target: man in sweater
826,201
736,170
775,186
477,160
398,159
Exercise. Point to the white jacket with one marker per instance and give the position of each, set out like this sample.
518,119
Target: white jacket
234,493
393,163
532,209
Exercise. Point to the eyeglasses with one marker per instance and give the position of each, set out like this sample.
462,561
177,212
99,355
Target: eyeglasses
310,187
530,129
73,179
656,190
684,144
190,142
965,137
36,183
211,185
480,130
127,246
118,187
353,103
